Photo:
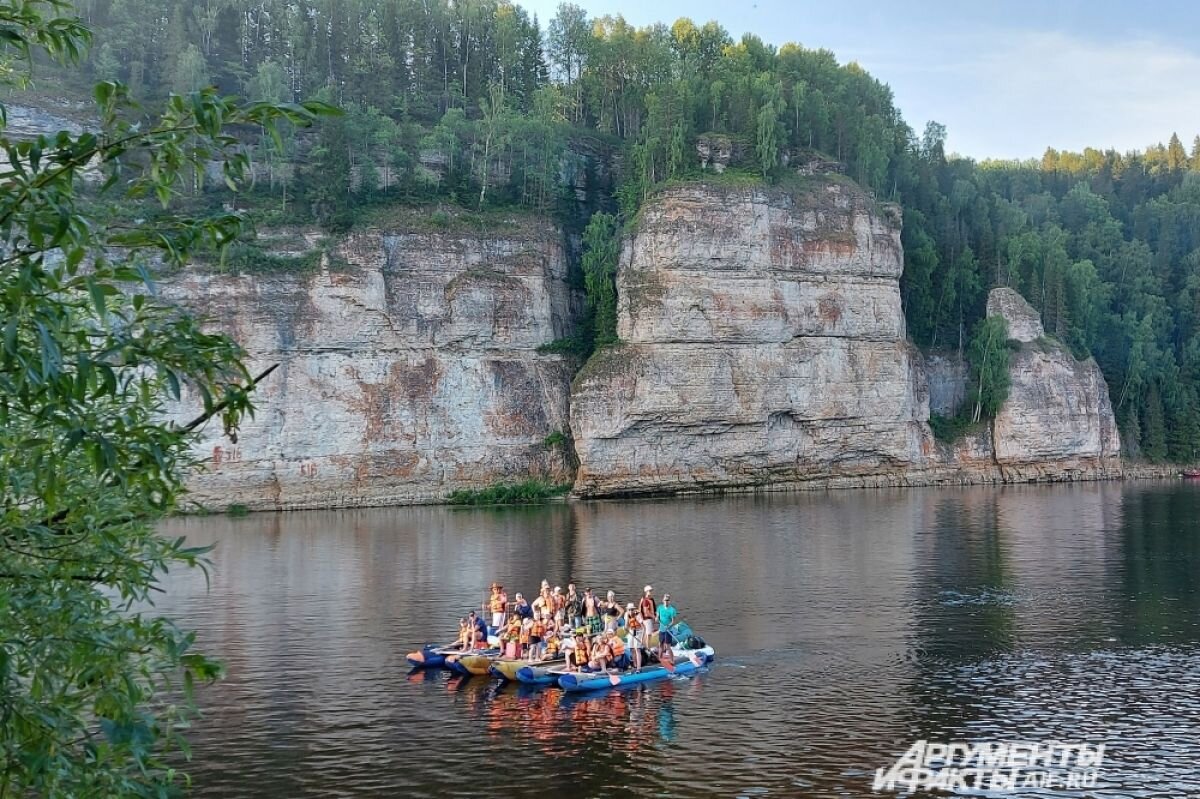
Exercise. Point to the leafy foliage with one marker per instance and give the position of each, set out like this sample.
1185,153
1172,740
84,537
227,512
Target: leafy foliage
601,248
988,356
468,103
88,355
526,492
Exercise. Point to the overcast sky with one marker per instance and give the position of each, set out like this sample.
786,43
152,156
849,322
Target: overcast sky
1007,78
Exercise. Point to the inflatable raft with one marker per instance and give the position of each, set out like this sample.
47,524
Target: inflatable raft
473,664
686,662
510,668
430,656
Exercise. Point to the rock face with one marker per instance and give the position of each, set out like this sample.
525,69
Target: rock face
1058,419
763,346
1024,322
764,342
408,368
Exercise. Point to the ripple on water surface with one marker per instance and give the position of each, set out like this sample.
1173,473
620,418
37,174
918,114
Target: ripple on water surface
847,626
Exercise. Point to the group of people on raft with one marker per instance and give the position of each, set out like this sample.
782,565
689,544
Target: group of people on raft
588,632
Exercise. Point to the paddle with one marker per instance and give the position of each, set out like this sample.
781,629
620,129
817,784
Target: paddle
614,679
669,665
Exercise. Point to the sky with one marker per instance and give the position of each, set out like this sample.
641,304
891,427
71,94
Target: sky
1008,78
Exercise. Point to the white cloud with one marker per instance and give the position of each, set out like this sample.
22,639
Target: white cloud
1049,89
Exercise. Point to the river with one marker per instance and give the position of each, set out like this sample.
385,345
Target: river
847,626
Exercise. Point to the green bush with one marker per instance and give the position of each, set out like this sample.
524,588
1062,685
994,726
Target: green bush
948,429
572,345
527,492
251,258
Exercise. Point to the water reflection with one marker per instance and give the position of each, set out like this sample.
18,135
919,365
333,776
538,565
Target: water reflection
847,624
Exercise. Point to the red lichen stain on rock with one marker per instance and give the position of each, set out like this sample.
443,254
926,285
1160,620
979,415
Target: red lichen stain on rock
218,452
308,469
829,309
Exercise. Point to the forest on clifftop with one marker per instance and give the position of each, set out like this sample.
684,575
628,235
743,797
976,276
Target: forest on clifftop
478,104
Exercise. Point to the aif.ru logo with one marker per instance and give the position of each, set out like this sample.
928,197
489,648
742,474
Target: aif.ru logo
1006,766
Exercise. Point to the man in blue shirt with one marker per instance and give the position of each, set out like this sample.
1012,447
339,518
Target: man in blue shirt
666,618
481,631
523,608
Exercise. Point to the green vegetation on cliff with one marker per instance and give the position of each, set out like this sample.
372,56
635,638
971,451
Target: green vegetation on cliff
475,104
533,491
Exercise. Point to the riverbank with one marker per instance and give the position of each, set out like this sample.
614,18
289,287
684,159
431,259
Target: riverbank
922,479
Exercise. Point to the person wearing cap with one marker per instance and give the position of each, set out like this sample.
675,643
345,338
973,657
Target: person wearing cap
498,605
666,617
648,610
559,604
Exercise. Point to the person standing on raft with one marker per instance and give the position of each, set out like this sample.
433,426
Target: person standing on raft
498,605
666,618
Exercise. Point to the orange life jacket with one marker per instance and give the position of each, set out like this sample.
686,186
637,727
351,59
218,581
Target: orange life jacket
498,603
539,629
618,647
582,650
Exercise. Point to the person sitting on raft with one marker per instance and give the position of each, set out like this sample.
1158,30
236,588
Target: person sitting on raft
665,654
526,636
578,652
601,654
463,642
498,605
511,636
616,646
479,626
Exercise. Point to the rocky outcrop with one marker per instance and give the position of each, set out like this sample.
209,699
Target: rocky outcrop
1024,322
763,346
408,368
1057,422
764,343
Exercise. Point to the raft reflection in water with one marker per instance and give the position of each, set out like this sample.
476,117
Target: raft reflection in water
623,720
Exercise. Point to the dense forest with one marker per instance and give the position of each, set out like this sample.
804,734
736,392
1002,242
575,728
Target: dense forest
1105,244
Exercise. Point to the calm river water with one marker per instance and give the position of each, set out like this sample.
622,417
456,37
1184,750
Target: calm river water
847,625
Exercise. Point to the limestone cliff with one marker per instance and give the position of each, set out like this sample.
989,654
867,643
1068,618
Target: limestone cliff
764,342
1058,421
763,345
408,368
